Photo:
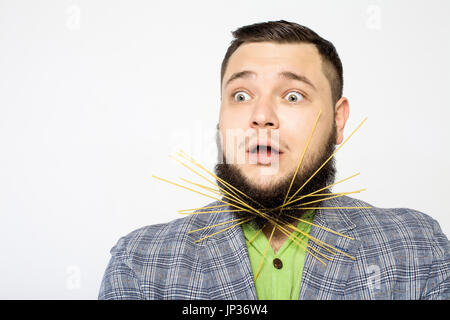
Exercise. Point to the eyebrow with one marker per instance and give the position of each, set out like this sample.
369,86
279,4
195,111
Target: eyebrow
283,74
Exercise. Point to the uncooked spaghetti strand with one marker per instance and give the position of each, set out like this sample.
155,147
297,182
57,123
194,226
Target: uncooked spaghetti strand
194,209
183,154
324,194
289,234
215,225
203,194
235,198
204,212
326,244
185,165
278,223
227,197
219,179
343,143
336,196
306,249
321,227
309,237
202,186
314,192
329,208
302,156
264,255
222,230
252,210
254,236
208,188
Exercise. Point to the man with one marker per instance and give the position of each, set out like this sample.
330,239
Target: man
281,87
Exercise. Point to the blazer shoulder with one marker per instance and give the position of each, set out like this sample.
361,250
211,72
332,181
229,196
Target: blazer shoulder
167,236
398,222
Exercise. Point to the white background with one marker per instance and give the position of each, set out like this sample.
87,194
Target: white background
95,95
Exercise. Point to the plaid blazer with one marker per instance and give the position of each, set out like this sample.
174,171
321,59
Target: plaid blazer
400,254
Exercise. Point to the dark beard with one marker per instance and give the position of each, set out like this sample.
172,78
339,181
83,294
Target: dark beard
273,197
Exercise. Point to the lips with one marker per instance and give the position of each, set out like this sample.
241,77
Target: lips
263,153
263,147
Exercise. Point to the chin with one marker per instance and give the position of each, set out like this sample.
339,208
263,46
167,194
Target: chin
262,181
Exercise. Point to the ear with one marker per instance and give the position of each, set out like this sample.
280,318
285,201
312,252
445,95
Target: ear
341,113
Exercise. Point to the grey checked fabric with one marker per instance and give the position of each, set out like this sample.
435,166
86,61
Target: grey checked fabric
400,254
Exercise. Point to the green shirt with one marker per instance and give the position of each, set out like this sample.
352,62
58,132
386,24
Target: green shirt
278,283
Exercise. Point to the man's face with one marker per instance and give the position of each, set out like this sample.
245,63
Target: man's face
281,105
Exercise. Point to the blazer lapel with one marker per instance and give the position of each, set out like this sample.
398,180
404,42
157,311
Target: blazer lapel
224,260
328,281
226,266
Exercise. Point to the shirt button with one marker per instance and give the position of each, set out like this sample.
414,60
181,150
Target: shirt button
277,263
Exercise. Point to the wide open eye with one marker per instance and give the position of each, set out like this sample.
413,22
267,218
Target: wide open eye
294,96
240,96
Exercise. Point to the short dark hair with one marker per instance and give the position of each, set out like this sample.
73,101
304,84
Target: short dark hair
289,32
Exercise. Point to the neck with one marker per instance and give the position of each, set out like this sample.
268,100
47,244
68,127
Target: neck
278,237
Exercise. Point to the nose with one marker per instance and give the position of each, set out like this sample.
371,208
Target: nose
264,116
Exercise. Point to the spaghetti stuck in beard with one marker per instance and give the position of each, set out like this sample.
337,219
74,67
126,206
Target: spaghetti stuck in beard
273,197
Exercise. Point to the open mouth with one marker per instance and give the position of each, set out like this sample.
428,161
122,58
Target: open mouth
263,149
263,154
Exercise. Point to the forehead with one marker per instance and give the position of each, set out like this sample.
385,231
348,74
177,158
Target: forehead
269,58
